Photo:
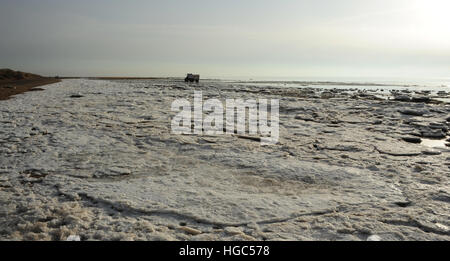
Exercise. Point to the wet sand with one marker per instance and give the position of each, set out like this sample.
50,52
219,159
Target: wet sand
13,83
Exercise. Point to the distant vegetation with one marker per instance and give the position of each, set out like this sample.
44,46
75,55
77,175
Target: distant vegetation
8,74
15,82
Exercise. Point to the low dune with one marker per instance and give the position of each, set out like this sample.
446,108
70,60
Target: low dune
15,82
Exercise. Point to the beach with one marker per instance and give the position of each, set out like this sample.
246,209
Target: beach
15,82
96,158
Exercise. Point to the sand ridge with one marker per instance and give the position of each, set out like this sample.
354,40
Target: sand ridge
16,82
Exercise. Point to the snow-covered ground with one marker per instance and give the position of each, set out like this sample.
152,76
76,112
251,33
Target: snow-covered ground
97,159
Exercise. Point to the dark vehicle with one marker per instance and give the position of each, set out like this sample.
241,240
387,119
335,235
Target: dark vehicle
192,78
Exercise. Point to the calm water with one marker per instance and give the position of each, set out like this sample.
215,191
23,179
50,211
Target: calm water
374,84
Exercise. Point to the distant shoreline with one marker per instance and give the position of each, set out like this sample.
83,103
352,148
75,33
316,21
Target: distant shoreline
118,78
15,82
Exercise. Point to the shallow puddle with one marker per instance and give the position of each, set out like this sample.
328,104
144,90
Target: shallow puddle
445,100
434,143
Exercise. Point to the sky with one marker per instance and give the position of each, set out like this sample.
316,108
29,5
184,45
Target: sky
226,39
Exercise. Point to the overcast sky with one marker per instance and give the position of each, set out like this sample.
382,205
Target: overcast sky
233,38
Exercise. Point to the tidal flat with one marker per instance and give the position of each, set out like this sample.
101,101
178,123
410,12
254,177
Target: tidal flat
97,159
